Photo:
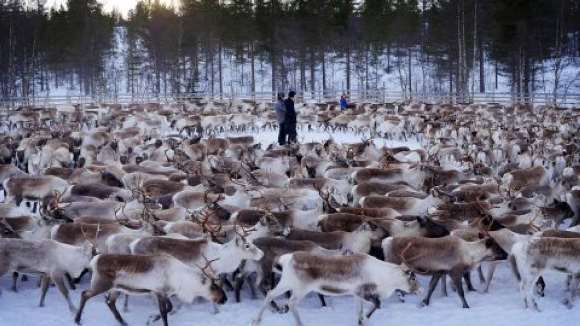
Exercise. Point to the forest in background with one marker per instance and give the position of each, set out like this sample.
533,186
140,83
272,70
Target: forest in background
456,47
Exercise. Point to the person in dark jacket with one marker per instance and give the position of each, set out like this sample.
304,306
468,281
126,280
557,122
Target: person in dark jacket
280,108
290,118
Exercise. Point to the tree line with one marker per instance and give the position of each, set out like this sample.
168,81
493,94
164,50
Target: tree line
429,46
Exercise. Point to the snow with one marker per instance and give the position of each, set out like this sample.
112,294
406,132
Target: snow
502,306
268,137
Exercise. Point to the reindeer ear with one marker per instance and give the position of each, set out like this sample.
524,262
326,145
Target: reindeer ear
480,235
489,242
89,250
263,221
365,226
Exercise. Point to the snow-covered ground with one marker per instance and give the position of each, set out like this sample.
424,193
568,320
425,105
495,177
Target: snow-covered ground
271,137
502,306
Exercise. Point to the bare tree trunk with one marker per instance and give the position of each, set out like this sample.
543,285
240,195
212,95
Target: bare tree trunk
302,71
273,63
348,69
495,71
312,73
323,70
253,71
220,68
481,67
410,73
475,4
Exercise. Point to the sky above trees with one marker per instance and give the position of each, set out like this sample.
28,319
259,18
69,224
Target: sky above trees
121,6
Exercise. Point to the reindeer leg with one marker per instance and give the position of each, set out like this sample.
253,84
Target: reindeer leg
252,289
376,305
126,303
480,274
322,300
456,278
15,281
540,286
239,282
45,280
294,300
490,272
361,317
83,273
569,302
432,284
70,281
162,301
444,285
111,303
98,286
277,291
58,279
467,278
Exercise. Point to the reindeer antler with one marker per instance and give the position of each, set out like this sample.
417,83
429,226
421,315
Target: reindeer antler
91,242
207,270
404,259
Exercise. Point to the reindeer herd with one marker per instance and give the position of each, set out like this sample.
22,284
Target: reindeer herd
148,199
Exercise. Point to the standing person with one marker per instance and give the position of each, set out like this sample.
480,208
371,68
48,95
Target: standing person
280,108
290,119
343,102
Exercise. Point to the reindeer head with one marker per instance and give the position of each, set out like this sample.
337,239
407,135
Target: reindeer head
411,285
209,278
273,224
493,249
245,249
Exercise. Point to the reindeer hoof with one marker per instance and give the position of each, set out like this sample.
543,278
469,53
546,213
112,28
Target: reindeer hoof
152,319
284,309
423,304
255,322
568,303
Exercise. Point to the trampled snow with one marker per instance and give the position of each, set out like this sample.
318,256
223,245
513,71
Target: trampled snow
501,306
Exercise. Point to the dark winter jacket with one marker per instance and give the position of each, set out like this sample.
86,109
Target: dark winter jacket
290,112
280,108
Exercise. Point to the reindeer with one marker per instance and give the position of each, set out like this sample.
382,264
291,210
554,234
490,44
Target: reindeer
535,255
358,241
363,276
228,256
441,256
163,276
404,205
33,188
49,258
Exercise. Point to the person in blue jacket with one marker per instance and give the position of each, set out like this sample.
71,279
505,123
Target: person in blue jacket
290,117
343,103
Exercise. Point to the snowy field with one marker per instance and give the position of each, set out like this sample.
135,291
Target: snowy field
502,306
